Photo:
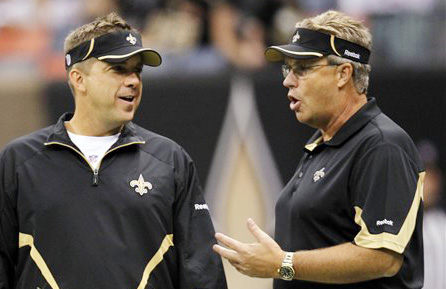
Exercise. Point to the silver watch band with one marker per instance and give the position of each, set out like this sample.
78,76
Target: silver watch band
286,271
288,258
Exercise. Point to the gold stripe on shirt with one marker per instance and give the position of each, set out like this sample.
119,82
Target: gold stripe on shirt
156,259
28,240
386,240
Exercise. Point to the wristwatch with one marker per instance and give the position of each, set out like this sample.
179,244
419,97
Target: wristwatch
286,271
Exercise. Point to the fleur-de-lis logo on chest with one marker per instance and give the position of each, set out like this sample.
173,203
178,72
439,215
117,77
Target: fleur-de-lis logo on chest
141,185
319,175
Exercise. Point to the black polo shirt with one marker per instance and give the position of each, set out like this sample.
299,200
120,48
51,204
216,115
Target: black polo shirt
363,186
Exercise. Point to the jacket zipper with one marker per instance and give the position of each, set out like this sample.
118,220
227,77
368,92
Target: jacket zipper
95,177
95,170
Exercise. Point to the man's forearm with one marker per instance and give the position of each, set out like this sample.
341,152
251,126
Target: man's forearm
345,263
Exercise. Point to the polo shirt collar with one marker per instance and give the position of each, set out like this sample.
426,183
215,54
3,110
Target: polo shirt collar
363,116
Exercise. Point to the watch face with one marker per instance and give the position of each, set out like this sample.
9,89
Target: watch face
286,273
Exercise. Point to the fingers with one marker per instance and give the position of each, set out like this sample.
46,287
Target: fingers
233,248
250,259
256,231
229,242
229,254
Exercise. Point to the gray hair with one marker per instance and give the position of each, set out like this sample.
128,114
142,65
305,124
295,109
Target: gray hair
360,72
345,27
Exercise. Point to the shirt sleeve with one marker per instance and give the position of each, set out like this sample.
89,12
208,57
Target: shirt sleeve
8,227
199,266
387,187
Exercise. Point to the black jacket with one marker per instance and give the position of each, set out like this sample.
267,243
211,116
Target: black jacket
140,221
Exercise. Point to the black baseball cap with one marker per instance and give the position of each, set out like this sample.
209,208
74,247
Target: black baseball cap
113,47
307,44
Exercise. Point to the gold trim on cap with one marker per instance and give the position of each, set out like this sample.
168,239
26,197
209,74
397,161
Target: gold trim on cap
332,39
154,59
296,53
128,54
121,56
89,49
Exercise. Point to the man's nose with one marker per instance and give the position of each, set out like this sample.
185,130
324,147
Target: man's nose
290,80
133,79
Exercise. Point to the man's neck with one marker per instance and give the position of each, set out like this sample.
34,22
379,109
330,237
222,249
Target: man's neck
335,125
90,127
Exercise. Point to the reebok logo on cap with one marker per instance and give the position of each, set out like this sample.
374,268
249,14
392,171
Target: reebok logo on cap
352,54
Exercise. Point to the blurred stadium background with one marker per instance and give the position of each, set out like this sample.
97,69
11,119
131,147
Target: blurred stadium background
215,95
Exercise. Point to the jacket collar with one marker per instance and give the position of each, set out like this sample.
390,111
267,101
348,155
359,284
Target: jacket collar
59,133
362,117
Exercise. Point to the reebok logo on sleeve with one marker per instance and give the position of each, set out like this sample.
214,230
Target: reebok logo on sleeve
384,222
199,207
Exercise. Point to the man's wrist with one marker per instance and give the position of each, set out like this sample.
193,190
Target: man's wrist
279,264
286,271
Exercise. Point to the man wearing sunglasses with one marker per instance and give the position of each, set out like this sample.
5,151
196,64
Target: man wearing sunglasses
351,215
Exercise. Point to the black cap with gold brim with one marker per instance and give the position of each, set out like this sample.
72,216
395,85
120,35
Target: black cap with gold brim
307,44
113,47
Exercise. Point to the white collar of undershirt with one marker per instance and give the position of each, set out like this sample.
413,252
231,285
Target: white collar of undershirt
93,147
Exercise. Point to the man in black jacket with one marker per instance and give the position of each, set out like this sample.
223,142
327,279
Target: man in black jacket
96,201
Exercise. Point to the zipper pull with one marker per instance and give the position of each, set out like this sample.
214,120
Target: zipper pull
95,177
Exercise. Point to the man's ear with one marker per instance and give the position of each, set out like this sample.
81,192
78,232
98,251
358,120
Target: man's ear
77,79
345,73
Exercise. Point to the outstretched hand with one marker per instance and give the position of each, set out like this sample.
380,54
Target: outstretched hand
260,259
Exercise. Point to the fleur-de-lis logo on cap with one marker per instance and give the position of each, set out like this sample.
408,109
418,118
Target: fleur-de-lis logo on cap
131,39
296,37
141,185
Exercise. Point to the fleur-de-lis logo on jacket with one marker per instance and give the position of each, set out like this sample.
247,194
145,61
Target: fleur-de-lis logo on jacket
141,185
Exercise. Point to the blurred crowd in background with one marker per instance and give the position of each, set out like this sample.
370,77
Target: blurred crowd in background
202,37
206,36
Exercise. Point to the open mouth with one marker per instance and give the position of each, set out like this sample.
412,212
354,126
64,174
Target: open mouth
127,98
294,103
